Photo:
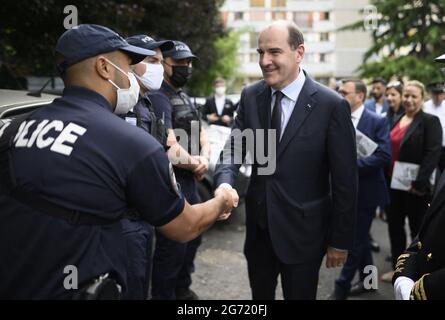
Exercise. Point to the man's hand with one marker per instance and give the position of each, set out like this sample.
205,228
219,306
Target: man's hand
232,192
335,258
413,190
202,167
212,117
226,119
230,197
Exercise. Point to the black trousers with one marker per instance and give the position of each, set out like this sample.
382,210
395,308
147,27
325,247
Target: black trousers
299,281
404,204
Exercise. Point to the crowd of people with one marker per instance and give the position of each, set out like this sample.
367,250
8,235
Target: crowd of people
103,179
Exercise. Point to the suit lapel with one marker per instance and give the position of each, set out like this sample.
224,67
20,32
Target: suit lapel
303,107
412,128
362,122
264,105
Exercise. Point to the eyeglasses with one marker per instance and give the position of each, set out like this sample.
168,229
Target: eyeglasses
345,93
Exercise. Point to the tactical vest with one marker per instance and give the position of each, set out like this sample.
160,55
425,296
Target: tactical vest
184,113
157,126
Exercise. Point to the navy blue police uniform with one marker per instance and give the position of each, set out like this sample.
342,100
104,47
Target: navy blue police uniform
139,235
76,154
173,262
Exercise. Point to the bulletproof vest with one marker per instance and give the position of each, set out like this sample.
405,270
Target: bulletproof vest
184,113
156,127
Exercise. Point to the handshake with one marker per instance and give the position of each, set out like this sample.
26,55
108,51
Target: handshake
229,198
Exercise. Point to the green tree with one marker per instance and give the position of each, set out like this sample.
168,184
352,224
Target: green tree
407,38
29,31
225,63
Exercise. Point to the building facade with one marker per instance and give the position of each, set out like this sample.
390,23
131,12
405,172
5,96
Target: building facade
329,53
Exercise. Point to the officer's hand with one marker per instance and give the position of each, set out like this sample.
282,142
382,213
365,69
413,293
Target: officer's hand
226,119
212,117
335,258
202,167
233,194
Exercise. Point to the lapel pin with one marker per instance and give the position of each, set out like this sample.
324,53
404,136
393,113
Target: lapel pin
308,107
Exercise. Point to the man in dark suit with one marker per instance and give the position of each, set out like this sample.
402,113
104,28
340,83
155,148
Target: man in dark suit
420,270
219,109
372,191
306,207
378,103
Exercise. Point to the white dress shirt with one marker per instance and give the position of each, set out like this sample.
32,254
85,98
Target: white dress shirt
290,97
356,115
220,102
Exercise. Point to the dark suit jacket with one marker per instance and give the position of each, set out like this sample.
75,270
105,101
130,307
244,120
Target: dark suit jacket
210,107
373,191
422,145
427,263
311,197
370,105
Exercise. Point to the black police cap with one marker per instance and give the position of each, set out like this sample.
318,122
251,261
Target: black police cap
179,51
146,42
436,87
89,40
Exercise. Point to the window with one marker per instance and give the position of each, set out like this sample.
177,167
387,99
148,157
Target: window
239,15
257,3
280,15
278,3
322,57
303,19
253,40
324,36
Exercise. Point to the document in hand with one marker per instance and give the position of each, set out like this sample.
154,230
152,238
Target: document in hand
405,173
365,146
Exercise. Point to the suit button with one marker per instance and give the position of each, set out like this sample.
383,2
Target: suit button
429,256
419,245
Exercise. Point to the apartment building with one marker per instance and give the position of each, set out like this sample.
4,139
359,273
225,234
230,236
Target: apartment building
329,53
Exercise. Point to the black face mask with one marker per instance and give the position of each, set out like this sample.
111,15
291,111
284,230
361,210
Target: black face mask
180,75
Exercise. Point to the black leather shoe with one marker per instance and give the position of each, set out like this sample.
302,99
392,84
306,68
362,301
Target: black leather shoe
358,288
374,246
186,294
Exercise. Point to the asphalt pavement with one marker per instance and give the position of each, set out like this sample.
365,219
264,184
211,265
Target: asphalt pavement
221,270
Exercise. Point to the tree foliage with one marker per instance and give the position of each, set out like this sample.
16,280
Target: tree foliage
29,31
408,36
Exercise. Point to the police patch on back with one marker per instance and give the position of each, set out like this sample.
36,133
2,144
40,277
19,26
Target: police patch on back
41,134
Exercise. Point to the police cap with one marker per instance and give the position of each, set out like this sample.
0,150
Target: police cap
89,40
179,51
436,87
146,42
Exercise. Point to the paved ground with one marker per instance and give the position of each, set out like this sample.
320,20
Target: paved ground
221,271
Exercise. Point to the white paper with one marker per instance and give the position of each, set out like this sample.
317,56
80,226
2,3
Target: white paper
365,146
404,173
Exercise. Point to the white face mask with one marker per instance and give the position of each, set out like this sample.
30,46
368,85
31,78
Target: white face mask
126,98
220,91
153,76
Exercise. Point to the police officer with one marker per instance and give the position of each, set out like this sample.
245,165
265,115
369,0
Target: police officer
173,261
420,270
139,235
74,169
